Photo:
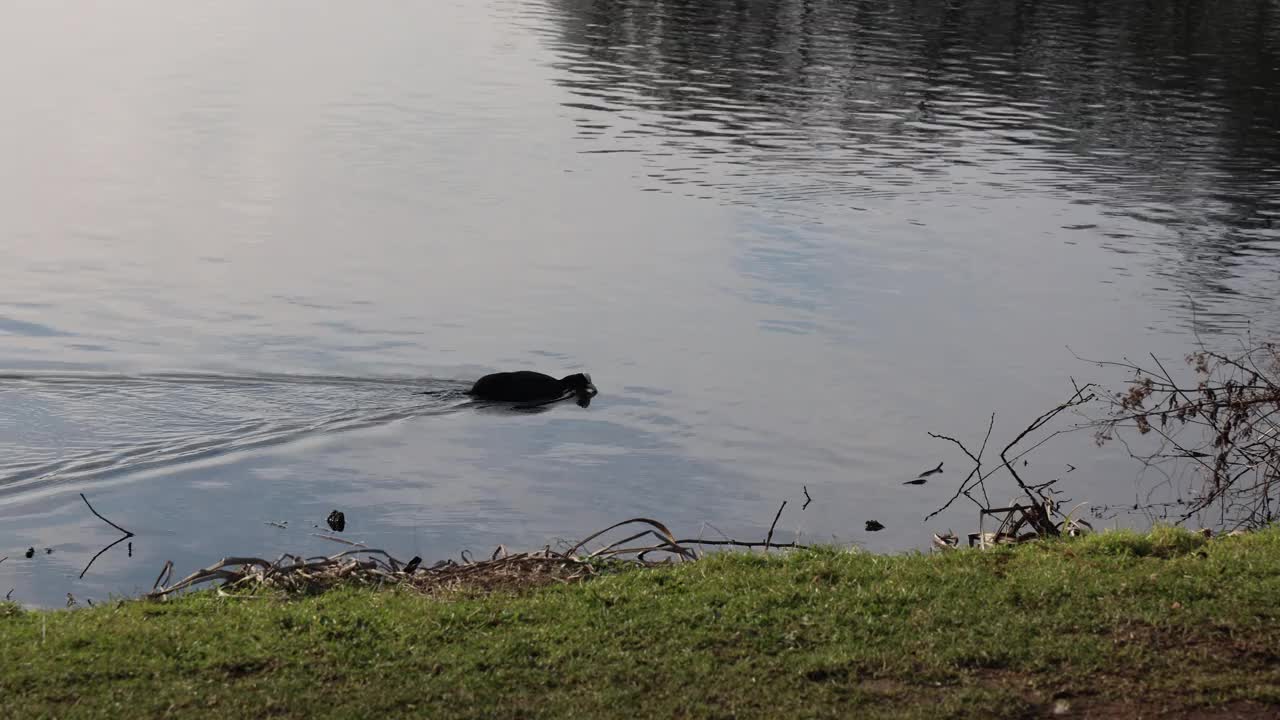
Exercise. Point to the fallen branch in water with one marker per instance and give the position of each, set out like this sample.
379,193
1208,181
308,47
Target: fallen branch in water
1039,506
768,538
1214,424
977,470
166,574
98,555
126,536
336,539
667,536
371,566
504,571
745,544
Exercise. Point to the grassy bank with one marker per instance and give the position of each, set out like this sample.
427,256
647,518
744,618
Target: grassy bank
1117,625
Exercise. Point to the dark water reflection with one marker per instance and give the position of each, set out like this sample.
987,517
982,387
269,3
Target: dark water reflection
1164,114
786,238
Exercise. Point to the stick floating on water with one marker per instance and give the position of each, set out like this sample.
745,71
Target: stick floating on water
126,536
95,512
769,538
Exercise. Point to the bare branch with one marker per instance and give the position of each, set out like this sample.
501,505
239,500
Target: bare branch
769,538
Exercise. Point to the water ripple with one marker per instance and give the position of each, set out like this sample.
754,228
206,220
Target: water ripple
58,432
820,105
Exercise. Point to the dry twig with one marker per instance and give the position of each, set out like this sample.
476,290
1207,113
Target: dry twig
126,536
1037,512
769,538
503,570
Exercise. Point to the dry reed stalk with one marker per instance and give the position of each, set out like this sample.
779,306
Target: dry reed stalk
502,571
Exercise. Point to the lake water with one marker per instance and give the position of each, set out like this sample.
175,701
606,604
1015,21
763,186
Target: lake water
786,238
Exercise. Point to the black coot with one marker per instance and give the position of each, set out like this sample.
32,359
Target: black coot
528,386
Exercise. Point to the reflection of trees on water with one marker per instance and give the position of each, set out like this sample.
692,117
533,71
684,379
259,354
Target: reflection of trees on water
1163,113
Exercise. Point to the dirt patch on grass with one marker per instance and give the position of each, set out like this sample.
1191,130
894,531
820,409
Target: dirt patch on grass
245,668
1142,710
1204,644
1196,684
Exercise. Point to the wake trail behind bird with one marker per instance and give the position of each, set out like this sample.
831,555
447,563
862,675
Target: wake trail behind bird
60,427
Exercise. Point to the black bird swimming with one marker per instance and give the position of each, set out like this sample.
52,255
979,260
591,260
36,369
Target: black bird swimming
528,386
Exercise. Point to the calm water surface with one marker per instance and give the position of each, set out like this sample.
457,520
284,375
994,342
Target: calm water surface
787,239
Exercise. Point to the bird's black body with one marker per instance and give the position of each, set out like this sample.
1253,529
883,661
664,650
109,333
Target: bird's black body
528,386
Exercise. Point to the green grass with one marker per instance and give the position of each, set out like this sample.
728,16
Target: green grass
1117,625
